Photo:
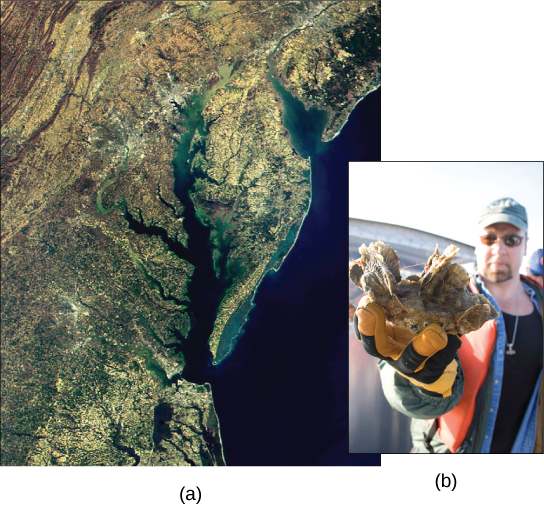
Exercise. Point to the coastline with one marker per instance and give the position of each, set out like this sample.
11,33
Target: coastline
325,138
234,328
281,396
330,132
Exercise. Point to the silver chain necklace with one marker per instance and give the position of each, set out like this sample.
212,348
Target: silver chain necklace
511,345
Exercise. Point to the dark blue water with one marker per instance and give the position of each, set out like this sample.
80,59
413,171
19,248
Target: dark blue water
282,394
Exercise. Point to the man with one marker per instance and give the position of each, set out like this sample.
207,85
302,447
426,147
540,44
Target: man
534,266
481,392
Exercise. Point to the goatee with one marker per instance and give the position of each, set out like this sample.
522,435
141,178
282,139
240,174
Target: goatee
498,276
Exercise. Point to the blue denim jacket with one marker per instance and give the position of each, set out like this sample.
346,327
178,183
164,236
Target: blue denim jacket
525,440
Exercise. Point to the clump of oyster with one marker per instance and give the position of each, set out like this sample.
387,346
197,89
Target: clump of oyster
439,295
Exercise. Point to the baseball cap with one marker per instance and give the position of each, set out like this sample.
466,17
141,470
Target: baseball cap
505,210
535,262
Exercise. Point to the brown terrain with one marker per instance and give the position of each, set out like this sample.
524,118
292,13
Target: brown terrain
97,257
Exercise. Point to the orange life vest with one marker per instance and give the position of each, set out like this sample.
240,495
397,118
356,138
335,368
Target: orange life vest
474,355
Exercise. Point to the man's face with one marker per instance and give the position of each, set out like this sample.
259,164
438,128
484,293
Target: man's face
498,263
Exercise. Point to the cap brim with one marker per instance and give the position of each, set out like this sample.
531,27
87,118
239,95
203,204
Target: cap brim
503,218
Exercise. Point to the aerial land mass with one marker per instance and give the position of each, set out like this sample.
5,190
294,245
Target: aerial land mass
147,184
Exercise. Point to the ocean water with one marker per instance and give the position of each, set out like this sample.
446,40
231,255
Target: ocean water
282,394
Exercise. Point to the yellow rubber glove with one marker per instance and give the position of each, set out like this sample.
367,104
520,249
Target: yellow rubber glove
426,359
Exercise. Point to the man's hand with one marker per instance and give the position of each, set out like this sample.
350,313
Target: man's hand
426,359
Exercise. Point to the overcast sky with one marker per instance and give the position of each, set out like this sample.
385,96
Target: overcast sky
445,198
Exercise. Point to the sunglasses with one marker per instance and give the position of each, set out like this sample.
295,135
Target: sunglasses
511,240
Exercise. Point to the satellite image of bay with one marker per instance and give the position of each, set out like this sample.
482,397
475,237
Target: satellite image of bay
174,182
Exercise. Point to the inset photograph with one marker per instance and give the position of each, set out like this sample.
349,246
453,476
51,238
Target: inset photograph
445,307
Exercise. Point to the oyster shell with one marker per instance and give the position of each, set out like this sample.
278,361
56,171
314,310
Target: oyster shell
439,295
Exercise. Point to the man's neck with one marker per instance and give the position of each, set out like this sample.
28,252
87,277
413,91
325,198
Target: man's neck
510,296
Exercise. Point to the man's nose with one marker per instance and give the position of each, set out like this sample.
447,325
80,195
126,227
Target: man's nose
499,246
